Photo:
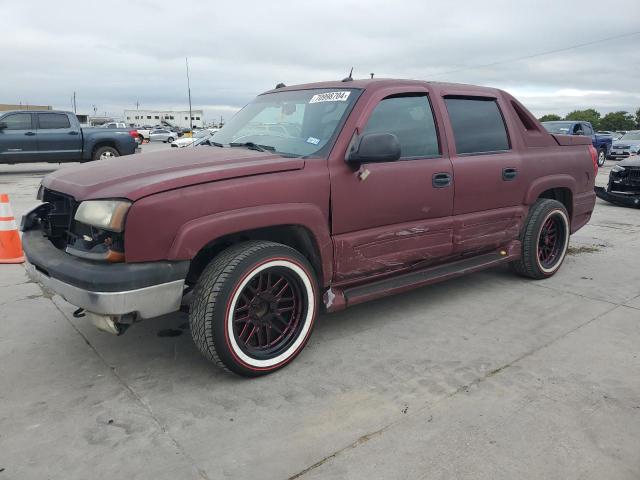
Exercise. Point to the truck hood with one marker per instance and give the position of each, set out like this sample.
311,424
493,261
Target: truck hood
137,176
631,143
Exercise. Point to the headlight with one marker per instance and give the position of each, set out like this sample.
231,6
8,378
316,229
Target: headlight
617,169
105,214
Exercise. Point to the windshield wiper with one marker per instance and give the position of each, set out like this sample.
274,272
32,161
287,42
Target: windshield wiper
216,144
253,146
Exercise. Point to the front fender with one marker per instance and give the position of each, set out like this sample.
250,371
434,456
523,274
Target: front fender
195,234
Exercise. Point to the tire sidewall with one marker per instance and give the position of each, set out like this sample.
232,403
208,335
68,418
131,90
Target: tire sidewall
225,344
602,154
547,272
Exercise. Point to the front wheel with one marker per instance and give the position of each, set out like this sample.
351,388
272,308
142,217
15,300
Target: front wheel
545,240
105,153
602,157
254,307
170,140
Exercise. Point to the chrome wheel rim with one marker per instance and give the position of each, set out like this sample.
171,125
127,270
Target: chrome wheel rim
107,155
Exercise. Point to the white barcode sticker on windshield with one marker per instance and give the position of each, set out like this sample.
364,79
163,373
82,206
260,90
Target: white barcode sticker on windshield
330,97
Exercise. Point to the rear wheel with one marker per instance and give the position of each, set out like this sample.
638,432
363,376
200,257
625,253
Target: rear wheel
105,153
254,307
602,157
545,240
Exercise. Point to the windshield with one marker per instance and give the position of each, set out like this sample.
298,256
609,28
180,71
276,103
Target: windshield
295,122
630,136
558,127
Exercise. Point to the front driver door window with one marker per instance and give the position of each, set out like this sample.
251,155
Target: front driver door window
390,215
18,140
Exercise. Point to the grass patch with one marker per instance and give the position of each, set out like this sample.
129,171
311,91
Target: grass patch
582,249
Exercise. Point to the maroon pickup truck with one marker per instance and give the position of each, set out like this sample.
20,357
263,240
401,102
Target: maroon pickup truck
319,195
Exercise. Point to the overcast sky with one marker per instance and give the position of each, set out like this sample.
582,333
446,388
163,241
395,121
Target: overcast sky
114,53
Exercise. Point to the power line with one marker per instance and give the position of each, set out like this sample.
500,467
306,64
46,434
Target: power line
548,52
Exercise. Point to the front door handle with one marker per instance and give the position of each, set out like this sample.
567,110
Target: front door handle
441,180
30,134
509,174
73,133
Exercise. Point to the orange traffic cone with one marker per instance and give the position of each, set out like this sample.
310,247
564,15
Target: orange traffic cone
10,245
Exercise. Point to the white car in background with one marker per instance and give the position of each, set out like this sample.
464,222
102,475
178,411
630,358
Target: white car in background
197,137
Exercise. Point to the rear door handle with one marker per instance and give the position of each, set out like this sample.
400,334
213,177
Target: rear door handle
509,174
441,180
73,133
30,134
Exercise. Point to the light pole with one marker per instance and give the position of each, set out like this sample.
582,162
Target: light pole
186,60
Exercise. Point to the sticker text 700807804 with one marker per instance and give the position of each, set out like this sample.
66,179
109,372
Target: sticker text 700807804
330,97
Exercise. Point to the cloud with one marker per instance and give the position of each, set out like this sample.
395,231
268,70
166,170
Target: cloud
117,53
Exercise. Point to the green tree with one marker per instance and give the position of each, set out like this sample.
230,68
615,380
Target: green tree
617,121
551,117
589,115
638,118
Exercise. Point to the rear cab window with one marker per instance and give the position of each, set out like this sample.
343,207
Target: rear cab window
478,125
52,121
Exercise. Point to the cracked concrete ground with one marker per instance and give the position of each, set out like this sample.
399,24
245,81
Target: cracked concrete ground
488,376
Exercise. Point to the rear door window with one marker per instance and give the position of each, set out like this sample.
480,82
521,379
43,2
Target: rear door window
411,120
478,126
53,120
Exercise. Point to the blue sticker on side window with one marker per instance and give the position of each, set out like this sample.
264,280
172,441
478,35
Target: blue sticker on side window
313,140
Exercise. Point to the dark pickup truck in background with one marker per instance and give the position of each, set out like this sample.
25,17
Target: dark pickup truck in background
601,142
28,136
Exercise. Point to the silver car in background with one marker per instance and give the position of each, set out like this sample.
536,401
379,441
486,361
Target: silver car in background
162,135
627,145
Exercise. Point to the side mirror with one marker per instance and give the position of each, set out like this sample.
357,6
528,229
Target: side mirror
3,125
376,147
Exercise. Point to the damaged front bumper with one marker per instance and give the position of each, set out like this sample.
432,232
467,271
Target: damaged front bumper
116,291
623,199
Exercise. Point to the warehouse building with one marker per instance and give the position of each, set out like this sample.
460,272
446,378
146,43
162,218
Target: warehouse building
164,117
4,107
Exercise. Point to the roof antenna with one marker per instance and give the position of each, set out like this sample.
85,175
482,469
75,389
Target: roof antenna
349,78
280,85
371,75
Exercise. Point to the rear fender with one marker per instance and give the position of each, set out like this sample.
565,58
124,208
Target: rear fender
542,184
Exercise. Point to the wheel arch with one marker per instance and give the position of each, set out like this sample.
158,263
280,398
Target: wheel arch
556,187
294,236
300,226
562,195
